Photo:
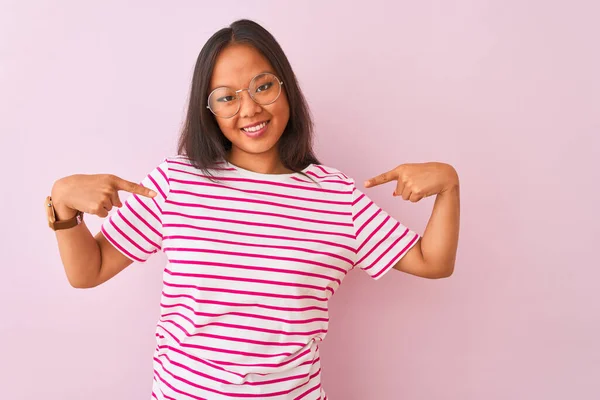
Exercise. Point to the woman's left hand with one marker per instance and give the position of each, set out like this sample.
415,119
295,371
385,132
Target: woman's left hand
417,181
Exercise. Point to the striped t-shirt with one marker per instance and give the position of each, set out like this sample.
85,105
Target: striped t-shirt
253,260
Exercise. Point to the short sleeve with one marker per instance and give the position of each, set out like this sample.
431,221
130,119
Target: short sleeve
136,229
381,241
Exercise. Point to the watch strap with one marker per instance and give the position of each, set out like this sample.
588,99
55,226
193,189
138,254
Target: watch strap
64,224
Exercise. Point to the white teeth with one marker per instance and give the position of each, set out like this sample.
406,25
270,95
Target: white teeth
255,128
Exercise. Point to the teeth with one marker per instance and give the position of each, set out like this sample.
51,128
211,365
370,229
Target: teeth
255,128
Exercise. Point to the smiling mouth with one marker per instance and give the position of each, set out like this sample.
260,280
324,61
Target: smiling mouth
256,128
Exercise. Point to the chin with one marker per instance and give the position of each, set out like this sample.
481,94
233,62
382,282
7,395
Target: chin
255,148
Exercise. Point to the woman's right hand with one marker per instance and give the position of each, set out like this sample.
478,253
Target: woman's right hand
91,194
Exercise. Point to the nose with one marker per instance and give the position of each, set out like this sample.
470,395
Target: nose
248,107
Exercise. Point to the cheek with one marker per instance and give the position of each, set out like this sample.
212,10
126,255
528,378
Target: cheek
281,111
227,126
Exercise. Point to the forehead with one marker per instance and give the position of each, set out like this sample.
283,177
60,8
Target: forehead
237,64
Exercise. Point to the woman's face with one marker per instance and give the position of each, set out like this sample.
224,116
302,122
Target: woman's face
235,67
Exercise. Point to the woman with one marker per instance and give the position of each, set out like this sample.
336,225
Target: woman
257,233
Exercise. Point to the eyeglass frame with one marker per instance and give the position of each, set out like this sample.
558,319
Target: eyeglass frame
238,97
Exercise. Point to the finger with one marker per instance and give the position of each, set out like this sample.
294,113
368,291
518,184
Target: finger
399,188
98,210
115,200
383,178
414,197
122,184
107,204
406,192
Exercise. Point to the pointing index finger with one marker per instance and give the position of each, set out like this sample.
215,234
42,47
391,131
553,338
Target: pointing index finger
380,179
131,187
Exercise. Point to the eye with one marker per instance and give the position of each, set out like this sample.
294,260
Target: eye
225,99
264,87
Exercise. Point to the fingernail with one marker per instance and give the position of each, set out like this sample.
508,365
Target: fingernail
367,183
153,193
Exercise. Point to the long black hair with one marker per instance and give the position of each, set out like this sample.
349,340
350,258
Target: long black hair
201,139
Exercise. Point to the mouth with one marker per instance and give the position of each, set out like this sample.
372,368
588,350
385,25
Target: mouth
256,130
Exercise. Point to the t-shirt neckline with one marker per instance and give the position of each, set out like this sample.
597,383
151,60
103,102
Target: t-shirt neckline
258,175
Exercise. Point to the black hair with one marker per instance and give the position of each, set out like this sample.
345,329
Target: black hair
202,141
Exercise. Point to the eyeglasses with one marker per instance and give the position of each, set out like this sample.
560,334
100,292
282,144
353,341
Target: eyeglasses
264,89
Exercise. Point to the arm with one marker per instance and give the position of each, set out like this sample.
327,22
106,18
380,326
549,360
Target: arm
89,261
434,255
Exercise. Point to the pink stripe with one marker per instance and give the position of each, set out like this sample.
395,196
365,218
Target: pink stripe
164,396
142,219
173,388
237,339
256,201
395,259
362,211
261,246
244,292
216,366
225,351
266,365
250,328
156,205
126,237
256,305
210,184
245,267
338,174
266,183
383,239
240,314
242,340
376,230
118,246
183,353
191,166
359,198
263,256
309,391
287,238
239,222
328,177
143,204
379,210
249,280
391,246
267,382
157,186
164,175
255,212
136,230
240,395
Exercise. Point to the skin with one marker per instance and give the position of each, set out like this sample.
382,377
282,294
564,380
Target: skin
434,255
235,67
90,261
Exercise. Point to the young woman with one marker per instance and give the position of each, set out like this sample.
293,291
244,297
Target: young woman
258,234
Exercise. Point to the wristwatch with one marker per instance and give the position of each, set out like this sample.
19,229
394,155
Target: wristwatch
58,225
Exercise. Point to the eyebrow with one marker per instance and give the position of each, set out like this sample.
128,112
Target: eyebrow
211,88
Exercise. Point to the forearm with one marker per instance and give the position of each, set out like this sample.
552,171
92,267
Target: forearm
79,251
440,239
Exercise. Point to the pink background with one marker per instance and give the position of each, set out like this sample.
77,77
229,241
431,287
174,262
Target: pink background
505,90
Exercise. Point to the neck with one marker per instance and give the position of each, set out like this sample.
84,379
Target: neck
265,163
